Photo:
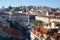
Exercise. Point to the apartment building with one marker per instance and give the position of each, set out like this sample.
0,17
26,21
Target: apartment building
51,20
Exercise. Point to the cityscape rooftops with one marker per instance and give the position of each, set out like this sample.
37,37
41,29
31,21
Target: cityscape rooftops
57,23
17,14
57,17
40,29
54,13
11,31
55,35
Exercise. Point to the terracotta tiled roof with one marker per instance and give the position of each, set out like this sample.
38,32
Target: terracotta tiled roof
12,31
44,30
59,34
47,16
41,29
54,13
49,39
55,35
57,23
17,14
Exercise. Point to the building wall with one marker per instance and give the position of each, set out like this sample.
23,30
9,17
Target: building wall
46,19
52,25
33,36
42,19
55,19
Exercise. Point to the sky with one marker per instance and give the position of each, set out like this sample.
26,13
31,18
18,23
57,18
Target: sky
16,3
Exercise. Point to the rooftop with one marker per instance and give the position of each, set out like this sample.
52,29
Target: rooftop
18,14
54,13
41,30
11,31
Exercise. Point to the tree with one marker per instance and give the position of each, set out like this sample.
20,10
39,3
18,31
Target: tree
40,23
19,20
36,22
9,8
17,9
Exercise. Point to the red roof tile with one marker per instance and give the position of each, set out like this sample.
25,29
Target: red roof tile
40,29
55,35
17,14
12,31
44,30
54,13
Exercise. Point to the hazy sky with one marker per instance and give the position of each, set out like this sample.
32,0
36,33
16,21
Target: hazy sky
50,3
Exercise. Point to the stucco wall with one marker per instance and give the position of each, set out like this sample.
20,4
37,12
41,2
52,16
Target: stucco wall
46,19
